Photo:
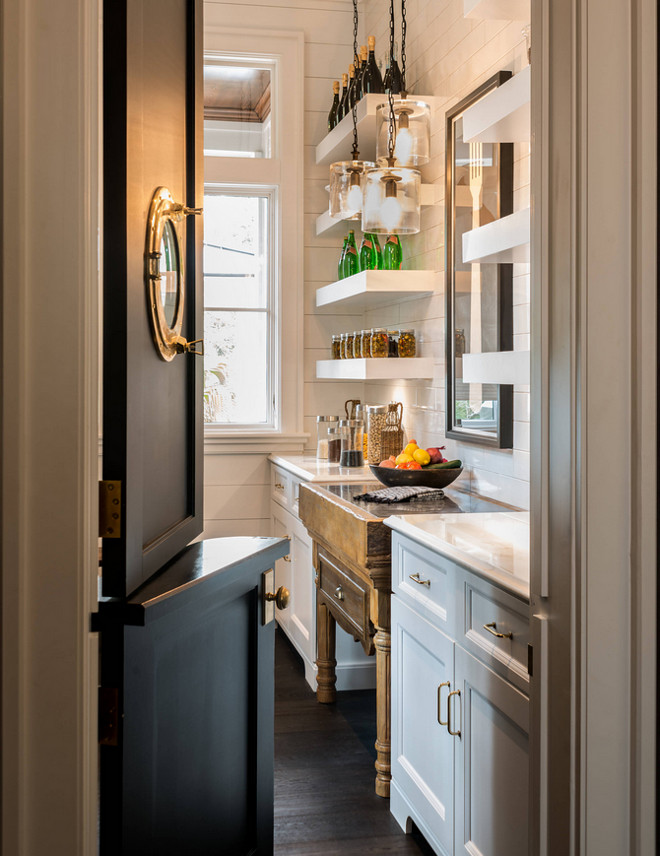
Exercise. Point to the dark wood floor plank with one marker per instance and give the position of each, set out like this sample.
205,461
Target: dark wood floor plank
325,803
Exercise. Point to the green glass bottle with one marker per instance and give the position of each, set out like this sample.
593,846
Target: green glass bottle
368,256
340,266
379,252
392,253
351,263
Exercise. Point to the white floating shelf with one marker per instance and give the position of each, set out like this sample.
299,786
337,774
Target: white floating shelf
431,194
400,368
372,288
497,367
502,116
502,241
498,10
338,144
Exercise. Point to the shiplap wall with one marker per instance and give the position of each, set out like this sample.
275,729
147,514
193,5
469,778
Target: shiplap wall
449,56
237,486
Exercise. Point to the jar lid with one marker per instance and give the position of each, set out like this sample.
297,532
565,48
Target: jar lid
350,423
327,418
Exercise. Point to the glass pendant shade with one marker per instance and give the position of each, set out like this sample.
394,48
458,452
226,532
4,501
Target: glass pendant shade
347,181
392,201
412,145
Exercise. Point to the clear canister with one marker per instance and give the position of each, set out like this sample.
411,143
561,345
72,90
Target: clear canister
379,342
407,343
352,443
323,424
366,344
334,445
376,416
357,344
336,346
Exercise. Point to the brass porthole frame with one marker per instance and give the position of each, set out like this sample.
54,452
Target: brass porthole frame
167,337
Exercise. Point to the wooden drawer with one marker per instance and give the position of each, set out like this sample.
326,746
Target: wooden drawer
496,628
425,580
347,599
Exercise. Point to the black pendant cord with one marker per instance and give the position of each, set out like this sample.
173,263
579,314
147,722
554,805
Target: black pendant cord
392,124
356,153
404,28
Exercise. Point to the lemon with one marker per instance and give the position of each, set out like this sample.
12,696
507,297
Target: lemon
410,448
422,457
404,458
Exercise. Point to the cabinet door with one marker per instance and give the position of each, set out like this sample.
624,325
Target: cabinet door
422,749
283,577
302,613
492,762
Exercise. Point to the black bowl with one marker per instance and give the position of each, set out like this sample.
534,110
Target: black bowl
415,478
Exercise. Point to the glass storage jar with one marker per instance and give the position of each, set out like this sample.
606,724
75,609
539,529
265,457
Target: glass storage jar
342,346
334,445
376,415
336,346
323,424
349,345
407,343
392,343
379,342
366,344
352,443
357,344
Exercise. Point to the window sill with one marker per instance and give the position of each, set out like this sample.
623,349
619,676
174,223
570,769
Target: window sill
252,442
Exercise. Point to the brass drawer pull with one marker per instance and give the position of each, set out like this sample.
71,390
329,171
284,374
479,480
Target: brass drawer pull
279,486
492,629
445,684
420,582
453,733
287,558
339,593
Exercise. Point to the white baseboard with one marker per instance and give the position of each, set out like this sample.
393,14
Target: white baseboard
404,813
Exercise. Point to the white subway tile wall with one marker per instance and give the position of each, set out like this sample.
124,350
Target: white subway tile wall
448,56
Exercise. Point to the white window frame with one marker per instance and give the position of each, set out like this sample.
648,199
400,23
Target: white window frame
283,53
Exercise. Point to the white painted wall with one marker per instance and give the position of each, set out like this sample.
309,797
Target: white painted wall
448,56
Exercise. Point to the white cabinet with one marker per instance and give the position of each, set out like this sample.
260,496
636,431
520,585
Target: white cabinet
296,571
460,752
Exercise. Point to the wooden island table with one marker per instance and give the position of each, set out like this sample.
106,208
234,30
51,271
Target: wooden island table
351,557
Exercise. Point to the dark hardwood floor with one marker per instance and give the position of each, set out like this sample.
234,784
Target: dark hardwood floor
325,803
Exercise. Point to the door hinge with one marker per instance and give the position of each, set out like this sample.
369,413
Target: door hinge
530,660
109,509
108,716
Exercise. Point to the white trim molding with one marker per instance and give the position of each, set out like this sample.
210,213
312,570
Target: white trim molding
594,455
50,311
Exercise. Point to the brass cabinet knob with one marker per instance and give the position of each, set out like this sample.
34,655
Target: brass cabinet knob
281,597
339,593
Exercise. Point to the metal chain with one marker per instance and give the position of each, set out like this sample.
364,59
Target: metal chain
356,153
391,126
404,27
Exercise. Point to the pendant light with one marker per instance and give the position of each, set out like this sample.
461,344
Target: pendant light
392,193
347,178
412,120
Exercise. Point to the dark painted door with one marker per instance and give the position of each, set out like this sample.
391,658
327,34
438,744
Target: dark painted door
186,697
152,408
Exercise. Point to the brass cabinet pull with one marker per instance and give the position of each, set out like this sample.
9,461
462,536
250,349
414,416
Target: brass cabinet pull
281,597
445,684
279,486
287,558
492,629
420,582
339,593
453,733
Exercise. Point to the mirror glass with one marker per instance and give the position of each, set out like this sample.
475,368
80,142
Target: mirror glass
170,273
479,308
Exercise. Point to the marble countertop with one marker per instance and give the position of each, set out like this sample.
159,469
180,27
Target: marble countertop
309,468
493,545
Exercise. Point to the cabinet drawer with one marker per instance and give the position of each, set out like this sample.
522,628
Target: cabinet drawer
344,595
425,578
497,626
280,487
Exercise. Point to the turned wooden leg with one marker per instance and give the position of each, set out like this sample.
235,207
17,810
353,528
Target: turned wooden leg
382,641
326,677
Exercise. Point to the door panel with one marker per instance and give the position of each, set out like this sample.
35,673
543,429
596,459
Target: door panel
152,409
422,749
492,764
192,770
